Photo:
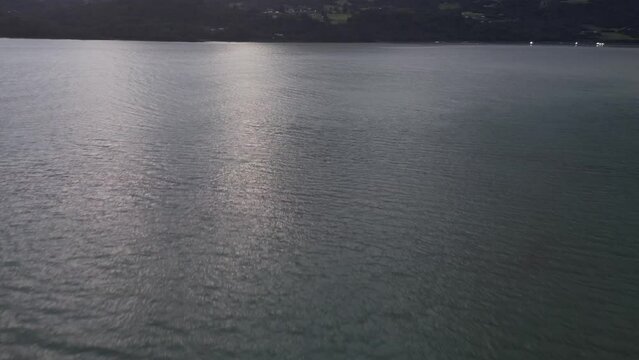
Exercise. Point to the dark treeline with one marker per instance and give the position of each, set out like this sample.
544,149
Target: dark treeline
314,20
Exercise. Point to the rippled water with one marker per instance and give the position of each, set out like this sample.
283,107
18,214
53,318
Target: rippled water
272,201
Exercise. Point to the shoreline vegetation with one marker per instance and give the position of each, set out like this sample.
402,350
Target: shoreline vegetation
633,44
331,21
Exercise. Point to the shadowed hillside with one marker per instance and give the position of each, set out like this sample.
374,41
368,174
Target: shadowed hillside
315,20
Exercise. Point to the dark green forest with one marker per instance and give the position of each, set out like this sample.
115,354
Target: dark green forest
317,20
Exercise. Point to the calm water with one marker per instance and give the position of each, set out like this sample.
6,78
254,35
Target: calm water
290,201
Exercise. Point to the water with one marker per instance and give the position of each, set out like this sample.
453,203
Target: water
274,201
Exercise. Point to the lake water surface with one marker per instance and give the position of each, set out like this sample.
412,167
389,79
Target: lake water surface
297,201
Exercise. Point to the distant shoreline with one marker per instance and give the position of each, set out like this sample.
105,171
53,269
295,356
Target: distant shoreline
589,43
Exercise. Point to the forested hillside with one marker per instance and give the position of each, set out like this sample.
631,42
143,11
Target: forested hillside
330,20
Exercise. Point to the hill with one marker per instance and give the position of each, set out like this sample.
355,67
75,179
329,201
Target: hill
318,20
